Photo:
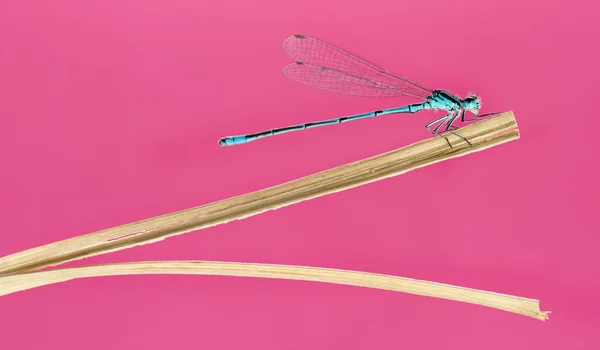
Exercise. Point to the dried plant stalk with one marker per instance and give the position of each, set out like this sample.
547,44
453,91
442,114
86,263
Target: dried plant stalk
518,305
16,269
482,135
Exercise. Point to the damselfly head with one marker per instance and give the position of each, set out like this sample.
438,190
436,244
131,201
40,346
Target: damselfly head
472,103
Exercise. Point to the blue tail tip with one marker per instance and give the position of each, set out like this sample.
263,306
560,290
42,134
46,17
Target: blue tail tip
233,140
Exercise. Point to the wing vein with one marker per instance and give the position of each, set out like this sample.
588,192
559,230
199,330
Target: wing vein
330,68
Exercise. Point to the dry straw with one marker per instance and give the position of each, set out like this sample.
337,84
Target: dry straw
20,271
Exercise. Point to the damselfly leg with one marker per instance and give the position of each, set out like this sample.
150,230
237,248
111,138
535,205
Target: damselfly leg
477,117
449,125
441,121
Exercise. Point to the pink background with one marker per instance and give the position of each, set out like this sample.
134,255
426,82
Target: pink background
111,111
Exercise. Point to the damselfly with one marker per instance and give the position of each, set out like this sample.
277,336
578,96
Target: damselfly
330,68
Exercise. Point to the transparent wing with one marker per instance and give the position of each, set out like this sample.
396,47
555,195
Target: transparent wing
320,64
333,80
